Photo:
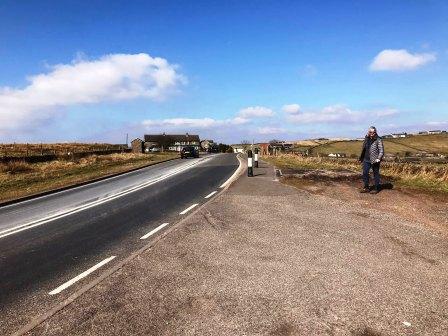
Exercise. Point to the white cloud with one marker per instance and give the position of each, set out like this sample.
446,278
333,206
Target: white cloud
437,123
339,114
256,111
291,108
400,60
192,123
110,78
387,112
270,130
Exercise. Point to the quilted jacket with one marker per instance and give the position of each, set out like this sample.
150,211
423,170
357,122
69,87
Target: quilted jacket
376,149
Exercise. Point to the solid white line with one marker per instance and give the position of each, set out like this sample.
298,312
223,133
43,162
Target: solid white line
233,175
150,233
80,187
80,276
188,209
211,194
68,212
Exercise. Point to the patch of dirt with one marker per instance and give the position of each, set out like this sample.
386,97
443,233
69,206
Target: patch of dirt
429,209
408,251
366,332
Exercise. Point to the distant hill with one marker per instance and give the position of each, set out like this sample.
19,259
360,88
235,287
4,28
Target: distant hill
437,143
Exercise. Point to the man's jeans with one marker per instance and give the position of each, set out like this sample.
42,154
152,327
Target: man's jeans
376,173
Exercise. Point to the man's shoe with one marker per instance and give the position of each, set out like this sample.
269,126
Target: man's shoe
374,191
364,190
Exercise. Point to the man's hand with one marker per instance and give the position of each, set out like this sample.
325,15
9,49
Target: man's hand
377,161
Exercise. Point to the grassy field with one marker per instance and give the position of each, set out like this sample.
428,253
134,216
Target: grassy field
21,149
437,143
430,177
18,179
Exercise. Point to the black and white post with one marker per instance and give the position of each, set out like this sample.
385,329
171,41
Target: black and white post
256,158
250,169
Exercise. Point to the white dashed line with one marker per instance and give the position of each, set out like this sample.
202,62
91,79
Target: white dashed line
160,227
82,275
211,194
188,209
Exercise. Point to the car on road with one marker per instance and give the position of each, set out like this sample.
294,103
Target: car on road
189,151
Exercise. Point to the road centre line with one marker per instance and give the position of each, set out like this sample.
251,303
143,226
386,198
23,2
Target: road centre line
188,209
211,194
160,227
68,212
80,276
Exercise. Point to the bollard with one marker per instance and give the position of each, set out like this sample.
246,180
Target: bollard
256,158
250,169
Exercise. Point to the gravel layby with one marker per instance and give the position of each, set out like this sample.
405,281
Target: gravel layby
264,258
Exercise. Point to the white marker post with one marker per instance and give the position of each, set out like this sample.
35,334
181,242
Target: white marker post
250,169
256,157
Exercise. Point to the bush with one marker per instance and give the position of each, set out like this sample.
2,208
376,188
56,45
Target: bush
14,167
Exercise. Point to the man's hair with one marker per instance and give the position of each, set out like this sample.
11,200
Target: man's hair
373,128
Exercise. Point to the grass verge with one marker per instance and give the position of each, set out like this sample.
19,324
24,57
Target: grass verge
422,176
19,179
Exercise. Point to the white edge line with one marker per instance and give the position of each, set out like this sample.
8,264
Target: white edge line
211,194
94,182
160,227
83,186
68,212
80,276
233,175
188,209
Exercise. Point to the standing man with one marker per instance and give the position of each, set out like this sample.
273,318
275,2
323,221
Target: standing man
371,156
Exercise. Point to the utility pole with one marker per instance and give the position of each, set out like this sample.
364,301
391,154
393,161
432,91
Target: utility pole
127,138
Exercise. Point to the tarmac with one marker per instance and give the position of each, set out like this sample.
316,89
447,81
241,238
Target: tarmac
264,258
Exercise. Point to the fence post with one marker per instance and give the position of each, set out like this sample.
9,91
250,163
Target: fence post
250,169
256,157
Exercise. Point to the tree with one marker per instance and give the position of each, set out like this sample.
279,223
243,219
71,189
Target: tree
245,144
223,148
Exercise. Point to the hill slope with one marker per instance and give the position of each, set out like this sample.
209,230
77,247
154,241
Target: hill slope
437,143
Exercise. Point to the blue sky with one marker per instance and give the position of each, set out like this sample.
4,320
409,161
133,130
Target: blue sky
232,70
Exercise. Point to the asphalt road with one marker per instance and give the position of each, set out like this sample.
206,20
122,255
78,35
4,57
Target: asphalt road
48,241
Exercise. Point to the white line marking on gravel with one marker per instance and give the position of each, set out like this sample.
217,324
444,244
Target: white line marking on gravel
68,212
211,194
188,209
150,233
80,276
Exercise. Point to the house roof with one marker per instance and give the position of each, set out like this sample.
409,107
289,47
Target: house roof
170,138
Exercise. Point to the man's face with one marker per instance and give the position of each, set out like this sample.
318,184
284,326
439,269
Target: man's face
371,133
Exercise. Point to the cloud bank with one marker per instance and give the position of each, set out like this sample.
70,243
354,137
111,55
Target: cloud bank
256,111
338,114
193,123
400,60
291,108
113,77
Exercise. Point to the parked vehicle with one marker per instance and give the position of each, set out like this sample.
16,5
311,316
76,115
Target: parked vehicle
155,149
189,151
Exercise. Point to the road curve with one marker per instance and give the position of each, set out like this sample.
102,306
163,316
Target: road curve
47,241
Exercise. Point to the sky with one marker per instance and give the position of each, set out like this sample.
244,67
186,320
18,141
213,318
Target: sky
94,71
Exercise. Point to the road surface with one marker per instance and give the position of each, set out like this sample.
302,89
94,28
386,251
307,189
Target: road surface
50,246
